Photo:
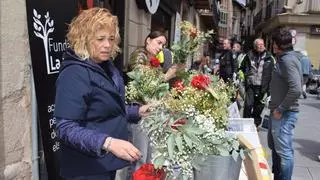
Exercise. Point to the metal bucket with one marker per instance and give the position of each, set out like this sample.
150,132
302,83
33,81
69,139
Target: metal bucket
218,168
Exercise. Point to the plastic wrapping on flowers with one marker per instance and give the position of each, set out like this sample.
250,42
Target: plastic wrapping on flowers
191,121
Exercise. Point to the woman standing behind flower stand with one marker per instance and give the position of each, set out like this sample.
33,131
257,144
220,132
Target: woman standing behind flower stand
90,108
154,43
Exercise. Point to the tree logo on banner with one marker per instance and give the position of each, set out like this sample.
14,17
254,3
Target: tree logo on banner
42,31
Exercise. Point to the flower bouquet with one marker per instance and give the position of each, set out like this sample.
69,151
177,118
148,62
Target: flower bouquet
191,123
190,41
147,83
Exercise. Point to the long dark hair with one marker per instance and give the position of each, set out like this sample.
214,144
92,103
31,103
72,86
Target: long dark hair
154,34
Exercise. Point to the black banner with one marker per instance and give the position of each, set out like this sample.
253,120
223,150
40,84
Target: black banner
47,26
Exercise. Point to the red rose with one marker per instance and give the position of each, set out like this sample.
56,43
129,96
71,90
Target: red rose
178,122
200,81
148,172
178,85
155,62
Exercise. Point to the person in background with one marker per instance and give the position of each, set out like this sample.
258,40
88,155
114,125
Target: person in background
285,90
306,70
239,80
153,45
216,67
227,63
204,64
89,104
236,48
257,67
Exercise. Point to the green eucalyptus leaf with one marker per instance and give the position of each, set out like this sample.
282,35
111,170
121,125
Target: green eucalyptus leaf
223,151
178,140
153,128
195,130
235,155
242,155
135,75
187,140
194,138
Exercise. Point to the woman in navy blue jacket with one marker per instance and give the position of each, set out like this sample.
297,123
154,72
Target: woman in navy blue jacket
90,109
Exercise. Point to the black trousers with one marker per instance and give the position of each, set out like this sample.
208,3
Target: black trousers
252,104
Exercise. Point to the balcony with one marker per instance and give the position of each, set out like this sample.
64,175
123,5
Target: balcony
303,6
209,12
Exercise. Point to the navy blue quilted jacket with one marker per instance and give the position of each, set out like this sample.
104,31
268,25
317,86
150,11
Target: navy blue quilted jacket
89,107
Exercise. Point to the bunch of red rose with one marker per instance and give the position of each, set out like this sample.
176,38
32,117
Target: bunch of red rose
155,62
200,81
148,172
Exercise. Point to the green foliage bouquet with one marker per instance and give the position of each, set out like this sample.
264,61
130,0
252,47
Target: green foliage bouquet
147,84
191,122
190,41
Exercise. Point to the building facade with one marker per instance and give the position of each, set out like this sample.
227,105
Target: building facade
15,90
238,20
226,15
302,16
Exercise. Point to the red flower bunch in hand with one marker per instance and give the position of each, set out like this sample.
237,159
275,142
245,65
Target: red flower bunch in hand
178,85
155,62
148,172
200,81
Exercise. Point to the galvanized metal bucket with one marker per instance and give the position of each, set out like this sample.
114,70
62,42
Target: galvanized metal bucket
218,168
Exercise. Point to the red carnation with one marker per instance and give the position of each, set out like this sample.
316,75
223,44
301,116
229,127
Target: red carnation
155,62
148,172
178,85
178,122
200,81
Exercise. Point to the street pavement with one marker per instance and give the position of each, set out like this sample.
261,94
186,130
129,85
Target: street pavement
306,141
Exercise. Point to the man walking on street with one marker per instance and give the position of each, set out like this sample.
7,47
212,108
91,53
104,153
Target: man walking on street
228,64
306,69
257,67
285,89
